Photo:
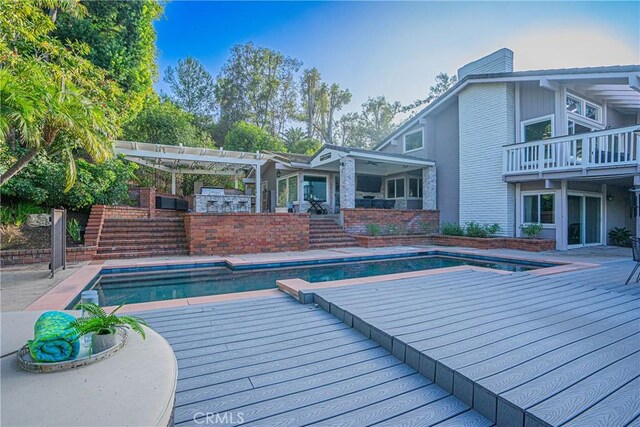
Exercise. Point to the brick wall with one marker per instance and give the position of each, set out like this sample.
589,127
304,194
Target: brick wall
382,241
148,200
35,256
125,212
355,220
243,233
530,245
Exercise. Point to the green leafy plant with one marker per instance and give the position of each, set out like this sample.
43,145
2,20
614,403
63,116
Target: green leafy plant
100,323
620,236
452,229
73,230
373,229
532,230
474,229
428,227
17,214
493,229
391,230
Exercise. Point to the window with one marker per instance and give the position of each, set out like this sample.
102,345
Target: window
582,108
315,188
537,129
395,188
574,105
413,141
538,208
415,187
287,190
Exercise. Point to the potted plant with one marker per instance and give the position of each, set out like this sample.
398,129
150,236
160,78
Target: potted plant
104,326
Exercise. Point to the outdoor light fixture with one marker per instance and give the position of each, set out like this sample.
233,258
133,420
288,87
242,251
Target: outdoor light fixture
278,174
609,197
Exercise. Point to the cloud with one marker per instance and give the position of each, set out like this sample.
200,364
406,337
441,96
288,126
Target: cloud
579,45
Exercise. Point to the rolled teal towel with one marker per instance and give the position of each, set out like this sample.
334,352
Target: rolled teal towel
53,340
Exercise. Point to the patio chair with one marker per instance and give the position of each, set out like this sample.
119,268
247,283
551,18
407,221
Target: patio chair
635,247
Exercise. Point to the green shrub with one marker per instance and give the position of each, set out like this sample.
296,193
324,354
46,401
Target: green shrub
73,230
532,230
16,214
391,229
452,229
373,229
493,229
428,227
620,236
474,229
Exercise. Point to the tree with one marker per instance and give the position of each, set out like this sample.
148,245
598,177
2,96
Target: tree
192,87
443,82
121,40
350,131
332,99
248,137
377,118
256,85
162,122
59,101
296,141
310,84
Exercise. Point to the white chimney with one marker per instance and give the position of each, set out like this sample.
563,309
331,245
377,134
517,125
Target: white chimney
500,61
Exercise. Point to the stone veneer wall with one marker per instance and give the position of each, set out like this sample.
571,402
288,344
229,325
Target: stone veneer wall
355,221
243,233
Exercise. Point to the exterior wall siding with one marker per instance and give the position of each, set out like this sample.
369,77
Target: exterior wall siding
535,101
487,122
398,147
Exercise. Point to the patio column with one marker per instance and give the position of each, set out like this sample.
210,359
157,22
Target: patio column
258,191
636,185
348,183
173,183
429,188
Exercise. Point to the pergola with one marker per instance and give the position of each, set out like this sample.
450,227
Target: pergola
178,159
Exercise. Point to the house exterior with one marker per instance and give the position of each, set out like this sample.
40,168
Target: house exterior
557,147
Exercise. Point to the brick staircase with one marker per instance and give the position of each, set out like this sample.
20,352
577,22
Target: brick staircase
325,233
142,237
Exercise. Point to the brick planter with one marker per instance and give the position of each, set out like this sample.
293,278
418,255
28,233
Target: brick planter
400,240
530,245
355,221
244,233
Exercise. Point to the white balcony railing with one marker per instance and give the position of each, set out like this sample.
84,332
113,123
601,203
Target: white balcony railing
605,148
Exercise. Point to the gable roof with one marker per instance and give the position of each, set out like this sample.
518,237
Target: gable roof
514,75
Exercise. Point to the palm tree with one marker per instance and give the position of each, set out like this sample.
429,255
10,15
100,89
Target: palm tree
53,116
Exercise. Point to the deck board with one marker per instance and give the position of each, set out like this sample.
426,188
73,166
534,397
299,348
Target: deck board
510,345
279,362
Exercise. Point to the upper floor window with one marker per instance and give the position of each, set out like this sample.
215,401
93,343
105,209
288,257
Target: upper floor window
583,108
538,128
413,141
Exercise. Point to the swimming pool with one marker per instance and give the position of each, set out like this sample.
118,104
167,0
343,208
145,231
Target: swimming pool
136,285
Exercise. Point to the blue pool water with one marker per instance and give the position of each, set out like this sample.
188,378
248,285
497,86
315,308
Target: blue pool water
129,286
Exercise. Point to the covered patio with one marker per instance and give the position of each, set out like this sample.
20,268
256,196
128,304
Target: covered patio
203,161
337,178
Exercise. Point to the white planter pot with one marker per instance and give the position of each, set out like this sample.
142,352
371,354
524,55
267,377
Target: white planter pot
103,342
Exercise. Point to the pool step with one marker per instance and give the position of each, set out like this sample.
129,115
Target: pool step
325,233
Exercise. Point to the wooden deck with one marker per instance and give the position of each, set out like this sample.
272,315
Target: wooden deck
273,361
521,349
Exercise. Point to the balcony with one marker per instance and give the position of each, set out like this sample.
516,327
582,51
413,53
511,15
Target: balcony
611,152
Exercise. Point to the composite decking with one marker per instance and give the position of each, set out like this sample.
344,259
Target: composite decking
521,349
273,361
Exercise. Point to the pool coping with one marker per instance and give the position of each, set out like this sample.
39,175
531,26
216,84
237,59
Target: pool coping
63,294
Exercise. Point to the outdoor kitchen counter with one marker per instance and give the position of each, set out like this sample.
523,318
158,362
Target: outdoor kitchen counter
136,386
221,203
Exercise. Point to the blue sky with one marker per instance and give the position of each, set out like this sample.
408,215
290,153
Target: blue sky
395,49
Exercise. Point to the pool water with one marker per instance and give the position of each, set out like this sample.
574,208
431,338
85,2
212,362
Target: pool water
135,287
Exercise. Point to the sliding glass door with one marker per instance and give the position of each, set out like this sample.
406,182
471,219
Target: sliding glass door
585,220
